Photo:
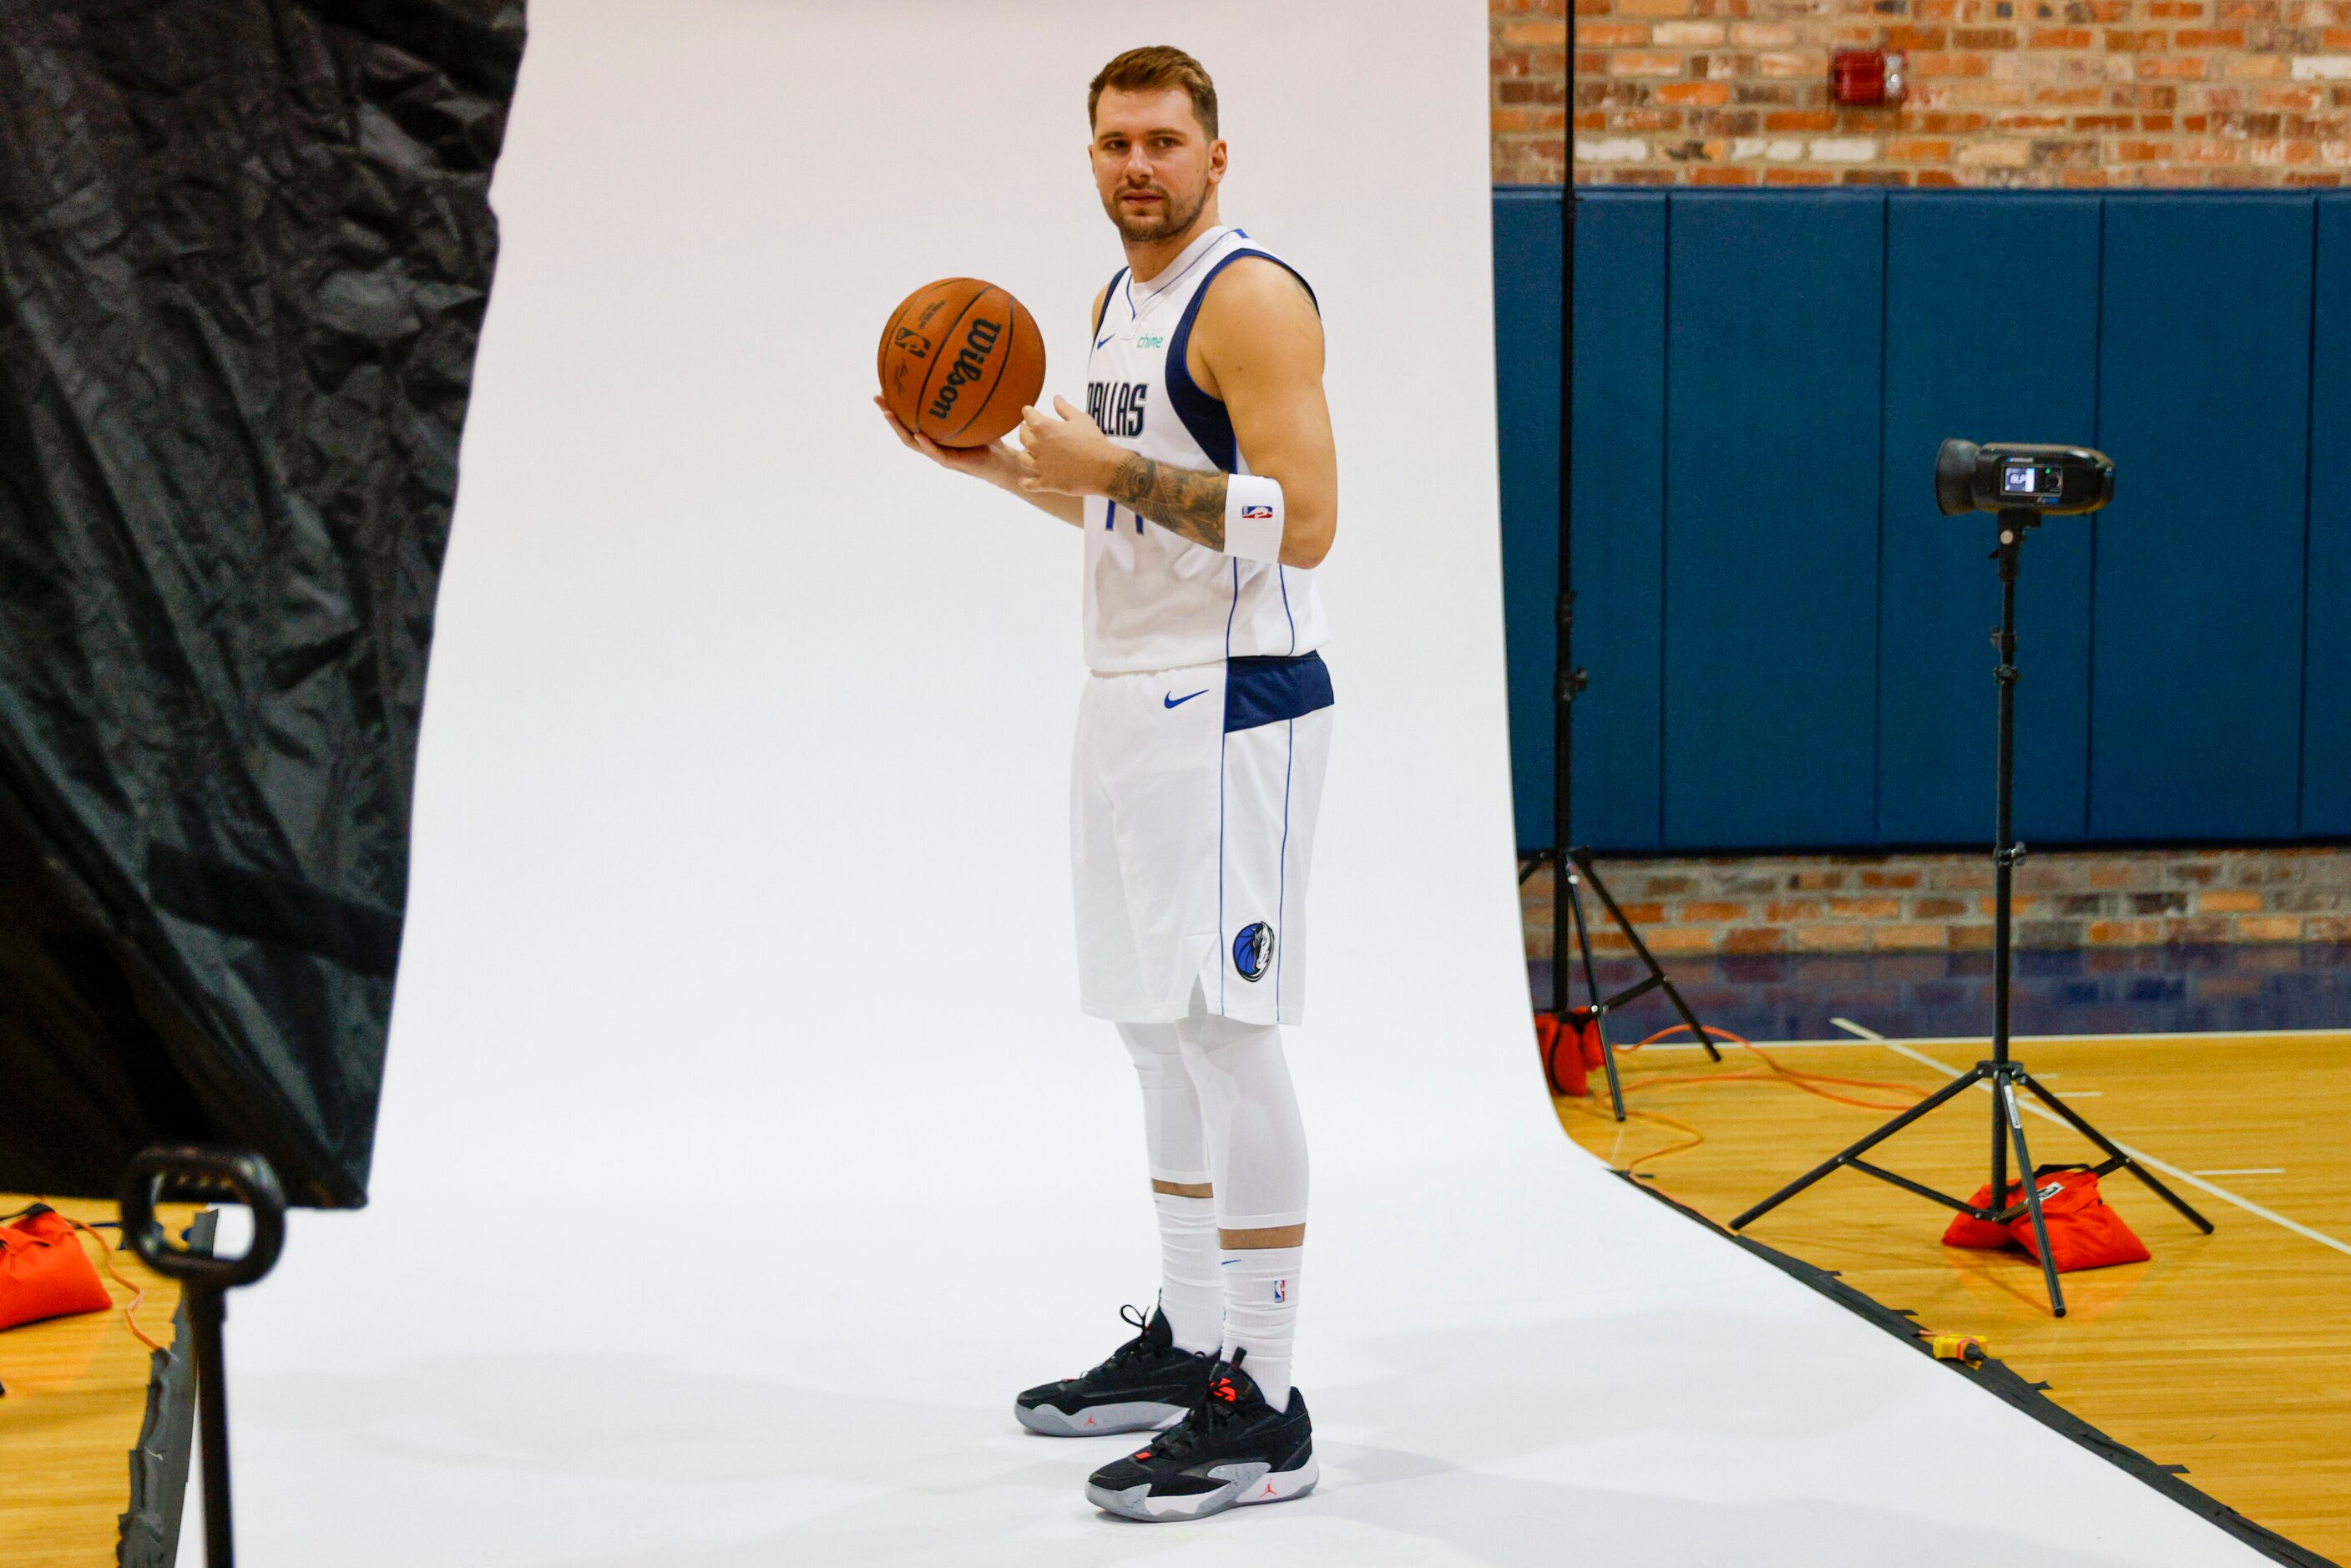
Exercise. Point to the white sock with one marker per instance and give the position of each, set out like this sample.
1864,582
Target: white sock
1191,1289
1261,1314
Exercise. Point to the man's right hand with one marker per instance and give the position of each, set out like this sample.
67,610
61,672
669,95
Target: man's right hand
1001,463
992,463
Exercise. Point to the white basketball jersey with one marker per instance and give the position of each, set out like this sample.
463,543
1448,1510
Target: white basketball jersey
1156,601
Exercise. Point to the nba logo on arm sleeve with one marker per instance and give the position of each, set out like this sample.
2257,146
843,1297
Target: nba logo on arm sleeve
1255,509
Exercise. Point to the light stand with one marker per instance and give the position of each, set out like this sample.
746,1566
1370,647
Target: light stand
1580,870
2003,1073
1571,867
206,1175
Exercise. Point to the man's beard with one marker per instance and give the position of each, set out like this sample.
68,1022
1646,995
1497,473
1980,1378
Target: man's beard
1171,221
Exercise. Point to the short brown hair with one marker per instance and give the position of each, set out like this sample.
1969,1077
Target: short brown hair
1155,67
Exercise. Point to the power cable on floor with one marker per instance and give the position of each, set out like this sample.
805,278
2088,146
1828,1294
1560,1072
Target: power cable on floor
1775,1070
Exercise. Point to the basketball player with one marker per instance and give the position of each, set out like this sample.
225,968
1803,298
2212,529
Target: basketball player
1202,475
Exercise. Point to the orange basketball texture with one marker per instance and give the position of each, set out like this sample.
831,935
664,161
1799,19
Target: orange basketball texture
959,359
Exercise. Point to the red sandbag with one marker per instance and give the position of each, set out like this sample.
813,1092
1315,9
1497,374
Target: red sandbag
1587,1038
1568,1054
44,1272
1967,1231
2083,1232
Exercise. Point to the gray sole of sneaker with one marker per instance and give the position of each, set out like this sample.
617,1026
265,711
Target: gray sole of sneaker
1265,1486
1099,1420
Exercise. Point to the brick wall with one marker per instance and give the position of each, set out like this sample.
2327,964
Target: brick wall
2002,92
1929,904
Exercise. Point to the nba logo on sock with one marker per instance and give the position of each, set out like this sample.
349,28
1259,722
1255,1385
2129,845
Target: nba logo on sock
1282,1290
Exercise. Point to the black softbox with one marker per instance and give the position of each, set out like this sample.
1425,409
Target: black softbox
244,251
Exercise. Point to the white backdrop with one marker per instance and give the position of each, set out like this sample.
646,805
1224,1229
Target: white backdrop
743,1151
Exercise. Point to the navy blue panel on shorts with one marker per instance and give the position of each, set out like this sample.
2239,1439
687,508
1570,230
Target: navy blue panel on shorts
1267,689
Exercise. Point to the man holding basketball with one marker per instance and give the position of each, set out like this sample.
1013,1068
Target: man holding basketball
1203,476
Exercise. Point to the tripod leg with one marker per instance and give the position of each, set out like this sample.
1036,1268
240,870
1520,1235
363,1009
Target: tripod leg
206,1309
1583,859
1846,1155
2005,1094
1689,1018
1592,994
2114,1152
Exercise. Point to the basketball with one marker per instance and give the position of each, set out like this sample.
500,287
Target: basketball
959,359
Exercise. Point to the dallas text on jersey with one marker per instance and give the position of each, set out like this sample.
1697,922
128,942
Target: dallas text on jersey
1117,406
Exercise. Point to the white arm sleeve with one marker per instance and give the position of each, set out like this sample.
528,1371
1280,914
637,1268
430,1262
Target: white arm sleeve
1253,516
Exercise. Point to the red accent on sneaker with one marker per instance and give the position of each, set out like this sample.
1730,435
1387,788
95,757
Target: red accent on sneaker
1223,1389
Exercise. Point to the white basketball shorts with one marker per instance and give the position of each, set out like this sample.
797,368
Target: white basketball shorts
1192,805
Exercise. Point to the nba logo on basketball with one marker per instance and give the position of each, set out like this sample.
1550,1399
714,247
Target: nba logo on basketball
1253,509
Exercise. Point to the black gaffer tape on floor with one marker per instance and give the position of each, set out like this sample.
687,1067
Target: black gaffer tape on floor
2004,1382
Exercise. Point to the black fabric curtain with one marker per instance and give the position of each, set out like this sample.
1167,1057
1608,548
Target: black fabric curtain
246,246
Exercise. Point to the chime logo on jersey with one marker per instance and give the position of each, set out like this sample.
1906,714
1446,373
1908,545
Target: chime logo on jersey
1253,950
1117,406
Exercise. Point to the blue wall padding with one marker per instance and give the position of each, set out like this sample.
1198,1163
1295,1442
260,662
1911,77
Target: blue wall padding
1620,410
1788,645
1969,351
2326,684
1527,245
1773,358
2196,662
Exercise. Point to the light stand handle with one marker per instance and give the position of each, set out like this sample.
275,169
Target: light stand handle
186,1174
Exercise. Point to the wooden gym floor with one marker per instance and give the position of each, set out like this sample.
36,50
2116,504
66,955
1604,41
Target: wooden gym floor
2229,1354
77,1394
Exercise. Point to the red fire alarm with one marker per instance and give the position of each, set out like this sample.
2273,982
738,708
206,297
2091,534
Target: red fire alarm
1866,79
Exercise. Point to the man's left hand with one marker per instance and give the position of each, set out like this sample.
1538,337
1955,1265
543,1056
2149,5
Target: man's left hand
1065,455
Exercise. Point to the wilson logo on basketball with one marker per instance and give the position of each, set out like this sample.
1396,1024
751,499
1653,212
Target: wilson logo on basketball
969,362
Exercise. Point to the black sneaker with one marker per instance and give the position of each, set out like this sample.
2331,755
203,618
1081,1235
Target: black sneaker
1233,1448
1146,1384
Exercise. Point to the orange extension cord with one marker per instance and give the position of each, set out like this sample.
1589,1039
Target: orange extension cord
106,1261
1775,1072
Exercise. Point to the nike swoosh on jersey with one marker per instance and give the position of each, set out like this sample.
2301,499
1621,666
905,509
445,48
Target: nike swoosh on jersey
1174,700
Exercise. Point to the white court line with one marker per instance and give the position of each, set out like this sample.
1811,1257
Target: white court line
2176,1034
2170,1170
2247,1170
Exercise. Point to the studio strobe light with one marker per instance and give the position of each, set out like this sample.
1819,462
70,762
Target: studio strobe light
2021,485
2039,481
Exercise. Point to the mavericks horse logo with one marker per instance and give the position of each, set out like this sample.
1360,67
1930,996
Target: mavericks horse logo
1253,950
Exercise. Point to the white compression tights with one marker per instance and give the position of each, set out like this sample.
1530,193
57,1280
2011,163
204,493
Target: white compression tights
1218,1107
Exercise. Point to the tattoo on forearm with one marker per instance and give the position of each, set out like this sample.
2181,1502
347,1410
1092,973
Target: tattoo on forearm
1181,500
